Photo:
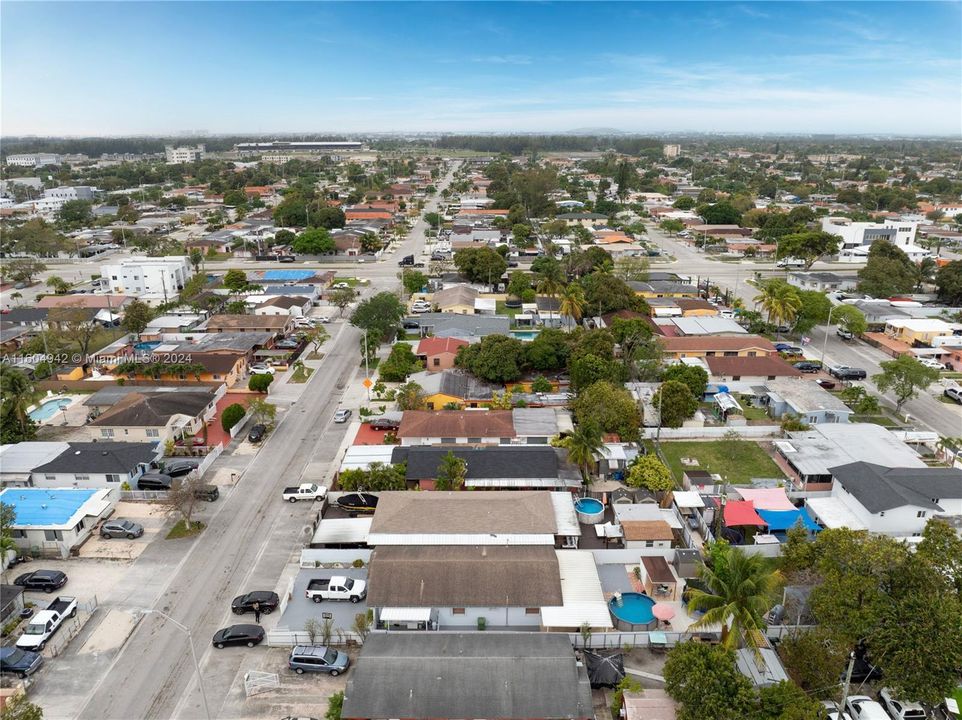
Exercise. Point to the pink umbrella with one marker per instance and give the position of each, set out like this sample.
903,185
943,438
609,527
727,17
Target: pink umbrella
663,612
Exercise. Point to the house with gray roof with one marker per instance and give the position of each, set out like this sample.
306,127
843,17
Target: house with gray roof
96,465
468,327
433,676
155,417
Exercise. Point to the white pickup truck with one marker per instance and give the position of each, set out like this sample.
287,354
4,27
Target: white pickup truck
305,491
336,588
46,622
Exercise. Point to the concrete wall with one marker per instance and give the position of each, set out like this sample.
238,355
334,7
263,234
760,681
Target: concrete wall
713,433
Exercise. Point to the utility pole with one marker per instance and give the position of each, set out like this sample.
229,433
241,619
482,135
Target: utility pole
367,370
848,680
828,326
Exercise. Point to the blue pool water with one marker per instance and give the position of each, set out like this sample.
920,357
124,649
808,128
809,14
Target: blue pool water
524,335
635,608
588,505
146,346
48,409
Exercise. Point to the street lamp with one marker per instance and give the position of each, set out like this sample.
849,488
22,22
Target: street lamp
193,654
825,339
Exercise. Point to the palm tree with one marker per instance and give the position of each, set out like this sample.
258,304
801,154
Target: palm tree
742,589
549,285
572,302
780,302
582,446
18,394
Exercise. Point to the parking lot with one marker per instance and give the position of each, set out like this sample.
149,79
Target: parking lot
300,609
152,517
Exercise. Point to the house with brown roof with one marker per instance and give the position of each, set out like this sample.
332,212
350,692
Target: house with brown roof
522,426
154,417
750,369
284,305
274,324
439,353
116,303
707,346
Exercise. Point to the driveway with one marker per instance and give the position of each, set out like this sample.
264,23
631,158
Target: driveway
300,609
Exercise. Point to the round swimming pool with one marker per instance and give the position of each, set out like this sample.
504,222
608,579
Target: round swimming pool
632,612
589,510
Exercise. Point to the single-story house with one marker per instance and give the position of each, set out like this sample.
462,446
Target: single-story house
18,460
454,387
155,417
274,324
645,525
97,465
436,676
750,368
284,305
466,327
522,426
823,281
56,520
806,400
718,346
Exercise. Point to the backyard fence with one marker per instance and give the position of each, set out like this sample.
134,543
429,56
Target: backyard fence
71,628
239,425
142,495
314,557
713,433
289,638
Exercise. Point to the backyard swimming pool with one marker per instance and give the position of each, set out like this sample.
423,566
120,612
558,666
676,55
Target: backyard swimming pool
48,408
633,612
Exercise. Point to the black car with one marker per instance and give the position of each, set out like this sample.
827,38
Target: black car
155,481
45,580
358,503
19,662
410,324
267,600
249,635
843,372
807,367
207,492
257,433
385,424
179,468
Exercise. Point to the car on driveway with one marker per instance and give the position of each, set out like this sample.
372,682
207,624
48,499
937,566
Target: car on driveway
342,415
862,707
383,423
121,528
249,635
267,600
845,334
844,372
287,344
179,468
19,662
45,580
317,658
900,709
261,369
207,493
953,394
788,349
930,363
154,481
807,367
257,433
832,712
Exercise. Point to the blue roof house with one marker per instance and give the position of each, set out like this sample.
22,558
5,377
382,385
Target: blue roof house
53,521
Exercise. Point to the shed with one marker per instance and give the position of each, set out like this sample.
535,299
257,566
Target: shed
658,579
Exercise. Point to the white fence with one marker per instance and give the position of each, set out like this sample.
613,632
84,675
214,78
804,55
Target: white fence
209,459
142,495
597,641
290,638
713,432
71,628
239,425
312,557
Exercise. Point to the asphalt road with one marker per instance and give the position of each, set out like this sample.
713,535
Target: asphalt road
246,546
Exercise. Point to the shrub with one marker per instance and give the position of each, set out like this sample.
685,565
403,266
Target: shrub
231,416
482,623
358,563
260,383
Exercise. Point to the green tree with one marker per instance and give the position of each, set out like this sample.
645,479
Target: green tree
541,384
8,516
480,265
75,213
941,550
235,280
582,445
23,269
786,701
780,301
585,370
59,285
452,471
813,310
705,681
548,351
341,298
721,213
260,382
335,703
518,282
888,271
672,227
235,198
497,358
232,415
409,396
433,219
521,233
948,281
18,707
196,258
315,241
808,245
610,408
684,203
632,268
137,315
649,472
814,659
399,364
675,403
236,307
905,377
606,293
328,217
380,315
262,411
413,280
693,376
850,318
741,589
572,302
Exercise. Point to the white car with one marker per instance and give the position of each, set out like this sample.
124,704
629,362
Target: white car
261,369
934,364
832,712
340,286
901,709
862,707
342,415
420,308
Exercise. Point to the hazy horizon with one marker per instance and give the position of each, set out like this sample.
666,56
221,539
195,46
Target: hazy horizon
747,68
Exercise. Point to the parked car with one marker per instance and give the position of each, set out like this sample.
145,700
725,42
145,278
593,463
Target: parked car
267,600
305,491
154,481
257,433
287,344
901,709
208,493
930,363
45,623
261,369
45,580
825,384
953,394
832,712
19,662
862,707
420,308
844,372
342,415
411,325
249,635
845,334
788,349
313,658
121,528
807,367
385,424
337,587
179,468
340,286
358,503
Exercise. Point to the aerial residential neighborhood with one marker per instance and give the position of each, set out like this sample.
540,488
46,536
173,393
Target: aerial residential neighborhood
448,408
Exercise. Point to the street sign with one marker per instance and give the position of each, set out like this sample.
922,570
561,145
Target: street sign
367,382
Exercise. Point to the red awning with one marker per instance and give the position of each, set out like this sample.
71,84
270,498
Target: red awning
742,512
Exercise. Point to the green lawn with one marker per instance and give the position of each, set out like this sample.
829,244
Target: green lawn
352,281
301,374
883,420
750,461
502,309
179,531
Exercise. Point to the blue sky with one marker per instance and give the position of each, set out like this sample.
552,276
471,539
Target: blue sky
116,68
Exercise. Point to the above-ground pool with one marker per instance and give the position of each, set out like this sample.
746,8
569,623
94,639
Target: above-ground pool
146,347
48,408
633,612
589,510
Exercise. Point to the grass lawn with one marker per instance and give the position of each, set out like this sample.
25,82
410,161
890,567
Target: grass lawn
502,309
179,531
300,375
352,281
883,420
749,462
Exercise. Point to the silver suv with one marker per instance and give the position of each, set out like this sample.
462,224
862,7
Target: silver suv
121,528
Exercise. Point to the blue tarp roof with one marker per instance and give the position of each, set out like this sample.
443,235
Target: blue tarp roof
287,275
38,506
786,519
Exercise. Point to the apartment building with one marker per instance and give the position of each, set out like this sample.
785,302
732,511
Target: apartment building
148,276
184,154
34,159
857,237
